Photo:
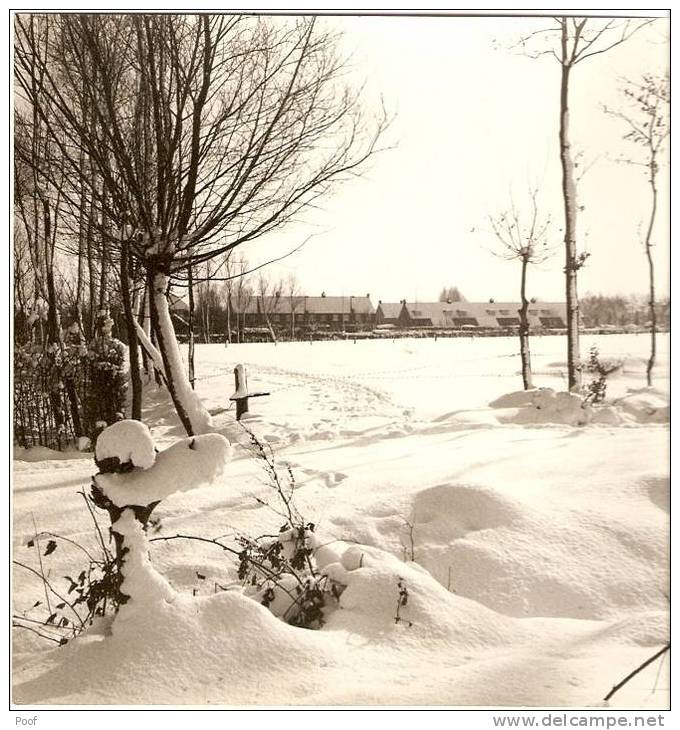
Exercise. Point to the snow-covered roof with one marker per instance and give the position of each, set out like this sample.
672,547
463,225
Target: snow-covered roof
301,304
486,314
177,304
390,310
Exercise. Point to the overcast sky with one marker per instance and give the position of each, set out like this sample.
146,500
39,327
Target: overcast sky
474,124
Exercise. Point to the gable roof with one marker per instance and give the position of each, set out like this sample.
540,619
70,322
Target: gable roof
177,304
390,310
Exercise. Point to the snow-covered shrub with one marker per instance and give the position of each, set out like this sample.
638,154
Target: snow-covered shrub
282,574
281,571
123,446
104,399
131,482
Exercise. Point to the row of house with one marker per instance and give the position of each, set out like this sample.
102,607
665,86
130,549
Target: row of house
470,315
356,313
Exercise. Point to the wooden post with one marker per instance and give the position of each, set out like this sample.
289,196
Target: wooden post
241,394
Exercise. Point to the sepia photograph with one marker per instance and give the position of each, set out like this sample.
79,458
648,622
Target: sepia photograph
340,360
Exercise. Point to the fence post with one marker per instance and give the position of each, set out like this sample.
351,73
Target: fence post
241,394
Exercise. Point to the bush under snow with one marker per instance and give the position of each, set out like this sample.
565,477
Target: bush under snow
128,441
187,464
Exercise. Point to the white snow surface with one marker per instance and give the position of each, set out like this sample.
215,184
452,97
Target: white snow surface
534,550
129,441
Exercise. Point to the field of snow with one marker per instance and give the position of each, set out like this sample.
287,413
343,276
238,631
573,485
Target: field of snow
533,546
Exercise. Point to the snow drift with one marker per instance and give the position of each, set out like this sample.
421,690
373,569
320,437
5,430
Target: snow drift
541,549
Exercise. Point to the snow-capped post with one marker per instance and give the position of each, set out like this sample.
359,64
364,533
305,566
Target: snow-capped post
133,479
241,393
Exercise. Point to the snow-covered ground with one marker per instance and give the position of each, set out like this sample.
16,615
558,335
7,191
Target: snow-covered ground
540,571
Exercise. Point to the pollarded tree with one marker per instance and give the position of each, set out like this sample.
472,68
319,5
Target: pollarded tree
570,41
525,241
206,132
647,120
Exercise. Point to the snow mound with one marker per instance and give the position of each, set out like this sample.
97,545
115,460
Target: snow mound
389,601
543,405
42,453
128,441
187,464
543,554
190,651
516,399
229,649
645,405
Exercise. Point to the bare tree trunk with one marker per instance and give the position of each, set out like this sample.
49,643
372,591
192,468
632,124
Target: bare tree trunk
193,415
53,326
266,318
133,347
104,270
207,336
524,331
192,376
650,261
229,317
150,331
78,313
141,315
92,277
569,198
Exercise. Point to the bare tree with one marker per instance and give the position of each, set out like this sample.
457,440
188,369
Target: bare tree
207,132
269,299
577,40
451,294
242,295
295,300
647,127
525,241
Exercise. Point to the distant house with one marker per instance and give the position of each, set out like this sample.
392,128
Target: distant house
388,313
179,312
178,305
482,315
343,313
